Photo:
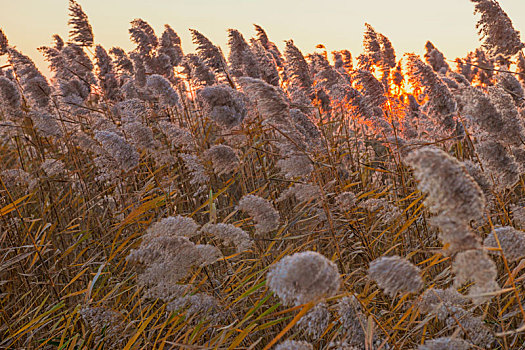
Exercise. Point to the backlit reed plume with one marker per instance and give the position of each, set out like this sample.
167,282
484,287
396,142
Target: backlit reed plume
117,148
307,127
496,30
195,167
106,74
303,277
163,90
435,58
170,46
513,130
499,163
4,43
451,191
347,63
441,101
10,96
371,48
264,214
143,35
482,114
230,235
81,32
197,71
46,124
388,54
34,84
270,102
372,88
511,241
297,68
395,275
241,58
209,53
520,67
266,63
223,158
58,42
511,85
262,38
223,105
139,74
122,62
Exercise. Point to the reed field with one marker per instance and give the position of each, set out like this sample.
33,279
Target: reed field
249,197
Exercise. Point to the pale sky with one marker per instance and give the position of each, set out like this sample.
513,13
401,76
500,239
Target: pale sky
338,24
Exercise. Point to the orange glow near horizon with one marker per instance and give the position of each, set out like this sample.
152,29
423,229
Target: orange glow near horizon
339,24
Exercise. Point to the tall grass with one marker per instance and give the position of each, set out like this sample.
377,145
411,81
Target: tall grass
159,200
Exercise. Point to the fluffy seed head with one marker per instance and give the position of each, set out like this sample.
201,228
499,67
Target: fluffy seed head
395,275
297,67
10,95
4,43
121,151
294,345
475,266
445,343
435,58
496,30
262,211
441,302
352,319
242,59
81,32
223,105
499,163
223,158
303,277
174,226
441,101
209,53
451,191
512,242
345,201
229,234
34,84
270,102
162,88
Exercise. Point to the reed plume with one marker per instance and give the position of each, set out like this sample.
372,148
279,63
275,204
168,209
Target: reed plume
81,32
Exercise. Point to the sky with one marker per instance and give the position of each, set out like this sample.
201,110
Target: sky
337,24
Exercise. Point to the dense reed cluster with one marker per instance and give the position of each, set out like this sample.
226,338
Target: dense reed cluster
262,198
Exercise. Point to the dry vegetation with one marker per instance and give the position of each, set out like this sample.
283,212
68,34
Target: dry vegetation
159,200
